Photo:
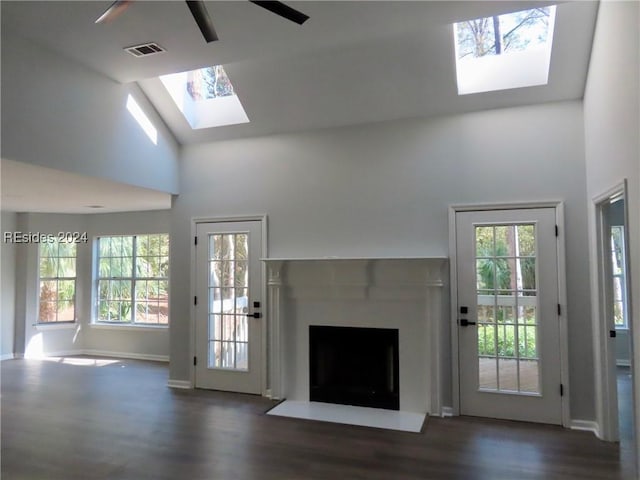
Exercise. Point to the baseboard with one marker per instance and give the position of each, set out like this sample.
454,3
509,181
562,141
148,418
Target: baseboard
585,425
7,356
58,353
185,384
133,356
446,412
623,363
103,353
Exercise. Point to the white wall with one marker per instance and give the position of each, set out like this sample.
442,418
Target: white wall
7,287
68,117
384,190
612,123
38,340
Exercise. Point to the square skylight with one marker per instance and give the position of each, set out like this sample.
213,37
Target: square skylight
205,97
505,51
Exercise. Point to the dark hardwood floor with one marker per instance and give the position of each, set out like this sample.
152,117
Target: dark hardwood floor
120,421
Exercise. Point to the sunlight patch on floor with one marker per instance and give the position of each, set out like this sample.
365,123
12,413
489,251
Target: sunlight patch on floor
82,362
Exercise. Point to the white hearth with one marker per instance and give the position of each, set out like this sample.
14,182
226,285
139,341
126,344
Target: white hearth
407,294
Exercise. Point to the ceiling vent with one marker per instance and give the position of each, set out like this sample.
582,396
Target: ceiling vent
145,49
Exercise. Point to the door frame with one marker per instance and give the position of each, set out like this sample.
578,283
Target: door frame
263,291
558,206
601,300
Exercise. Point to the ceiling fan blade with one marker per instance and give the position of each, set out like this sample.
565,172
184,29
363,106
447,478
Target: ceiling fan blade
115,9
201,16
283,10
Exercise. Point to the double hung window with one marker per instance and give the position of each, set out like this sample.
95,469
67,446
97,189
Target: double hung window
133,279
57,286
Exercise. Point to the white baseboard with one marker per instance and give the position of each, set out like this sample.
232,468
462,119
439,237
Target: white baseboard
7,356
185,384
103,353
623,363
446,412
585,425
59,353
131,355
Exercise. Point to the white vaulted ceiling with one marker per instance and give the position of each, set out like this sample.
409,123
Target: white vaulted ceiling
350,63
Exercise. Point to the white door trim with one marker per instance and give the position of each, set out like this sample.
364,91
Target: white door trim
562,296
263,290
604,351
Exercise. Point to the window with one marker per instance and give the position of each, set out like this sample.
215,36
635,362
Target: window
57,263
504,51
619,280
205,97
133,279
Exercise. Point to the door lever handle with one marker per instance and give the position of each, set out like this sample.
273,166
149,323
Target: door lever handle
465,323
254,315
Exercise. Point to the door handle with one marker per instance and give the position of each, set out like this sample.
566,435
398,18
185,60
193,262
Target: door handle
254,315
465,323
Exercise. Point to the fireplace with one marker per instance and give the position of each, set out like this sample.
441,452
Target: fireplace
354,366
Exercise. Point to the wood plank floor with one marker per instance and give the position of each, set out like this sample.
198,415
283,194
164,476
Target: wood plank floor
119,421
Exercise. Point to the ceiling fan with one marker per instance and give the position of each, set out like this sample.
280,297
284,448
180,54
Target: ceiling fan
201,16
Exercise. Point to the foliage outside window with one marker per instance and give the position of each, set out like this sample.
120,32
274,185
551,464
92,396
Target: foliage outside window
133,279
209,82
506,267
619,281
500,34
57,265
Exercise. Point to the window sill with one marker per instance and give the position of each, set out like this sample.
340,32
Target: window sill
55,326
139,328
622,329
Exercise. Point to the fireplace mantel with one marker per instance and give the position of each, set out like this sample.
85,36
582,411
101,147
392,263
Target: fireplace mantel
405,292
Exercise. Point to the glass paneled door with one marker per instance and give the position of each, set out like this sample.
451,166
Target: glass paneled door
508,322
228,306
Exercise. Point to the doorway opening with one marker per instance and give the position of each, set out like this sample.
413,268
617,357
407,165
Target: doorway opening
614,325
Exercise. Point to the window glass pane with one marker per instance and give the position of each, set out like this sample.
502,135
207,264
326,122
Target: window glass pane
66,290
215,274
529,376
241,246
526,240
527,274
508,374
241,274
48,311
486,313
504,234
66,311
57,271
485,273
505,315
48,267
242,356
487,373
484,242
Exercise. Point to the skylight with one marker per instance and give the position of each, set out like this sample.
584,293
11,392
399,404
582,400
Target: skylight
505,51
205,97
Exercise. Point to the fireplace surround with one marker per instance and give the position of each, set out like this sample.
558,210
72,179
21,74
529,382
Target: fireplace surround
403,294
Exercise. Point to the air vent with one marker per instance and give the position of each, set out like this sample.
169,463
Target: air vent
145,49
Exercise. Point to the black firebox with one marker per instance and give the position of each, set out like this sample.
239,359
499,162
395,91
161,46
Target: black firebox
354,366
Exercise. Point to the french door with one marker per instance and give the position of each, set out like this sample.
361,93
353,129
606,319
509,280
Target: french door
508,318
228,306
